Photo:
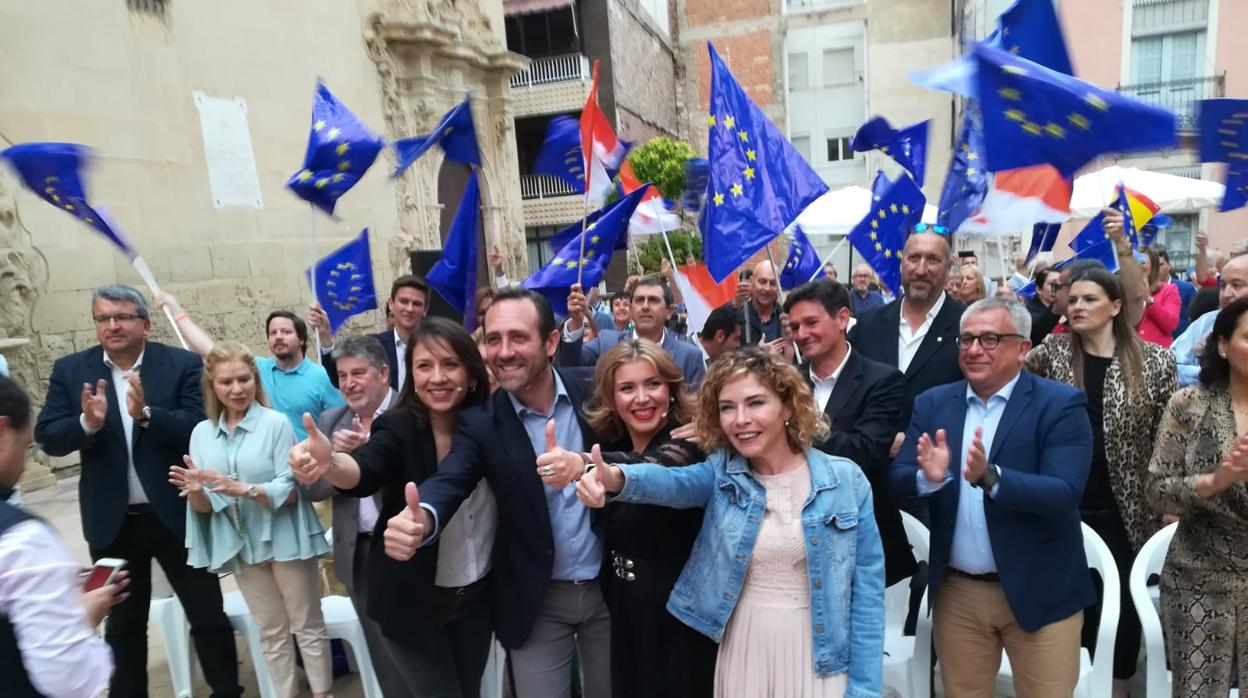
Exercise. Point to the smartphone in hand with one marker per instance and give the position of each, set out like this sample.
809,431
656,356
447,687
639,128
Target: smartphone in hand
103,573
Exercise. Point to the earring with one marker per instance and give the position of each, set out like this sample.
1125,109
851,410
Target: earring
786,422
1222,354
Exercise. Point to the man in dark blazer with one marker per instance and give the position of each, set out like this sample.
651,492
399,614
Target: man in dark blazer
408,304
1003,456
128,407
916,333
651,306
862,399
546,556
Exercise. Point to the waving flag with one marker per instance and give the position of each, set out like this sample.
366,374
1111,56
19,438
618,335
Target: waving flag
1156,224
343,281
701,293
454,276
1033,115
560,155
759,183
697,175
880,237
454,133
1094,242
907,146
340,150
803,261
53,171
600,149
1043,237
1223,125
653,215
556,278
967,181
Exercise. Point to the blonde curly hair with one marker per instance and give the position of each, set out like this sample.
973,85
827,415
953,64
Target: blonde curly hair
806,425
600,409
222,353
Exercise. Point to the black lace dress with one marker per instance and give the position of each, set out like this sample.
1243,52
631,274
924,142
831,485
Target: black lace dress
647,546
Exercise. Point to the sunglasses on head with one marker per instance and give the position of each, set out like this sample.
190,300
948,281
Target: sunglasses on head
930,228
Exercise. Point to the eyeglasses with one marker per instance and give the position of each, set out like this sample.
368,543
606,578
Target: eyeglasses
1055,286
119,319
930,227
987,340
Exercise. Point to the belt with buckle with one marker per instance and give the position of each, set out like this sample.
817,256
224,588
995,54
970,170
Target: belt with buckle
134,509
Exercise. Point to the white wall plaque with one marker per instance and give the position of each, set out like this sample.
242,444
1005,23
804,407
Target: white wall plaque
227,151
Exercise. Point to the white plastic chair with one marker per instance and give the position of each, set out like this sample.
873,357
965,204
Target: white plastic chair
342,623
167,615
240,617
1096,678
495,666
908,659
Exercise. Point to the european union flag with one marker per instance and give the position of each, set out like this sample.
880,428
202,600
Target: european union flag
803,261
1223,125
561,238
697,176
1043,237
556,278
454,276
455,133
343,281
54,172
966,185
1094,242
1028,291
561,154
1033,115
340,150
758,183
1156,224
907,146
880,237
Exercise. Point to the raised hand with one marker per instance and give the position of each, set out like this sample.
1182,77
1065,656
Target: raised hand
576,307
318,318
1234,466
347,440
557,467
95,404
405,531
590,489
310,458
134,395
687,432
933,456
976,458
187,479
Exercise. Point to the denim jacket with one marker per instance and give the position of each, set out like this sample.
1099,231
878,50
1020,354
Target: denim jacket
845,559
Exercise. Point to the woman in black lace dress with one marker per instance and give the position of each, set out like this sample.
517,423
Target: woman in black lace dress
639,397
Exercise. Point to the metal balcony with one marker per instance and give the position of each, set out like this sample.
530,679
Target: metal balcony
553,69
540,186
1179,96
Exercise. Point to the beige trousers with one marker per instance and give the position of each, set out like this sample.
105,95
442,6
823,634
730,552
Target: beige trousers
972,623
285,597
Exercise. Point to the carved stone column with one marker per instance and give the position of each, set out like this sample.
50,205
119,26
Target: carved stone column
428,54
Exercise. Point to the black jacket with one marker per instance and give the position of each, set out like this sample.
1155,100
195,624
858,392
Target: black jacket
392,358
490,442
936,361
1043,320
864,411
171,388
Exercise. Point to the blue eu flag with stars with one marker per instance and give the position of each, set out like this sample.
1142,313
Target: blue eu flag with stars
966,184
803,261
880,237
454,133
340,150
561,154
1043,237
1223,125
53,171
1094,233
344,281
556,278
454,276
1033,115
908,146
759,183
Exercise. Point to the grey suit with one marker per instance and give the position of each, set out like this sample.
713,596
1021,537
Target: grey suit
350,560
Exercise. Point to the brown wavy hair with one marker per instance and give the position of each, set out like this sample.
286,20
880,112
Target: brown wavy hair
225,352
600,408
807,424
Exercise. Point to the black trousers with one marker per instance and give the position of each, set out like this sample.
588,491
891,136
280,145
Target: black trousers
142,538
448,661
1108,525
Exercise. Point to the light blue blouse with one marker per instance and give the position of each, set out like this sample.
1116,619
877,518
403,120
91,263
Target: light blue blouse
238,529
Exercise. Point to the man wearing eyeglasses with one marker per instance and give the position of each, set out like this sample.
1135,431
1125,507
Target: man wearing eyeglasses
1003,458
128,406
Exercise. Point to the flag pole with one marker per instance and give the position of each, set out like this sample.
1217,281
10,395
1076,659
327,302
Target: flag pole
824,262
316,336
580,263
775,271
140,265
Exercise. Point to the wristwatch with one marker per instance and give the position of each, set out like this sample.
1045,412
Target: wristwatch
990,478
145,417
252,492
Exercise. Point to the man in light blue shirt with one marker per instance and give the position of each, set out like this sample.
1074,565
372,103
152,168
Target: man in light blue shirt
294,384
1187,347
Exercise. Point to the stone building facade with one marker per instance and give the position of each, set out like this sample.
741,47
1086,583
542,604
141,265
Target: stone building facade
122,77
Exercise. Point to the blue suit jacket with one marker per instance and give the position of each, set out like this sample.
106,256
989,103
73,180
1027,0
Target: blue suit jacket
1043,446
686,355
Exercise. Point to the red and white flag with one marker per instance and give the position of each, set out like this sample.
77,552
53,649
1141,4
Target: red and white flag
599,148
652,215
701,294
1019,199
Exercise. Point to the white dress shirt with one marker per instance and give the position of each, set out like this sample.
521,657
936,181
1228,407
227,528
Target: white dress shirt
121,385
823,386
400,350
908,340
366,515
39,597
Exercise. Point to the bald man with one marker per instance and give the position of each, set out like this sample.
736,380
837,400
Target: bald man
760,315
862,298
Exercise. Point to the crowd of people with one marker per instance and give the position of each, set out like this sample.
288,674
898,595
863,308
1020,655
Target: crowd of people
636,511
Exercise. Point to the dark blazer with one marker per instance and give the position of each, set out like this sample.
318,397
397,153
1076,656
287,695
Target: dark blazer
1043,320
490,442
864,412
1043,446
935,363
392,357
687,356
171,387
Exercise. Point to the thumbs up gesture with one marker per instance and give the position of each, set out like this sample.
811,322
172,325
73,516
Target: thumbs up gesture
405,531
310,458
347,440
556,466
593,486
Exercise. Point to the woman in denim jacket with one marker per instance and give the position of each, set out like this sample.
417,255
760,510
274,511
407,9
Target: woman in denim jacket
787,573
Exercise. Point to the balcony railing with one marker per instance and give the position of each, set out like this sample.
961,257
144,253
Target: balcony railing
553,69
540,186
1179,96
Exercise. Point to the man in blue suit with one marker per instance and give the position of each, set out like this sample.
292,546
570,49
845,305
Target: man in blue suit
650,307
1003,457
